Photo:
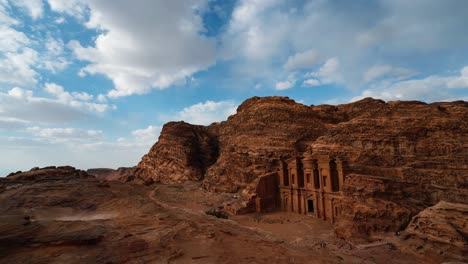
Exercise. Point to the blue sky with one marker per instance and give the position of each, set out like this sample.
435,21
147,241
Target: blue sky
90,83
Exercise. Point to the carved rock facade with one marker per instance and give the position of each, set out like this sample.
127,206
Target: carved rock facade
398,158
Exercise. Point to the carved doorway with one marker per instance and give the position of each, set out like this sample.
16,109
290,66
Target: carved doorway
310,206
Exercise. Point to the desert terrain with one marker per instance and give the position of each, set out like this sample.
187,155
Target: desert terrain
240,191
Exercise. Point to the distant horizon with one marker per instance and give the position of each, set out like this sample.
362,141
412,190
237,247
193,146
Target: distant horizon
90,83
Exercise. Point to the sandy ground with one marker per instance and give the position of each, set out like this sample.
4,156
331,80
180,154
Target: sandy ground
298,231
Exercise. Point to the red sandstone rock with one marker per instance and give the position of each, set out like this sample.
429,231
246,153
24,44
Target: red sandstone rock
61,172
57,216
183,152
403,156
439,232
111,174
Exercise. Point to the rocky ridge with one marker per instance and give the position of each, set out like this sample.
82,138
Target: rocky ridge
403,156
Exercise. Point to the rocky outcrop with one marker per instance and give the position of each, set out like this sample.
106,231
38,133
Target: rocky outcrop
440,232
51,172
251,141
122,173
183,152
229,155
402,156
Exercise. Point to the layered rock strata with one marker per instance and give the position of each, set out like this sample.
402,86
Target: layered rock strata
402,156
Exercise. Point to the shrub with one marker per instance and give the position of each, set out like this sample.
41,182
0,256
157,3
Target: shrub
217,213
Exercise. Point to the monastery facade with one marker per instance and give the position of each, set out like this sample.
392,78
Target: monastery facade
312,185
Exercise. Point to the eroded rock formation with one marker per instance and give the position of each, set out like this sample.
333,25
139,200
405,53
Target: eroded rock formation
122,173
444,226
403,156
63,215
183,152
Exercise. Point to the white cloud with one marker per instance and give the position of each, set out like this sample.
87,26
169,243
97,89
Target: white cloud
23,105
76,99
101,98
146,44
312,82
10,123
207,112
302,60
431,88
10,39
284,85
35,8
20,93
60,20
460,81
378,71
19,56
53,59
75,8
16,68
328,72
381,32
249,33
58,91
147,135
65,133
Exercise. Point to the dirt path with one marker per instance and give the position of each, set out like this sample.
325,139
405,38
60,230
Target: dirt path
299,232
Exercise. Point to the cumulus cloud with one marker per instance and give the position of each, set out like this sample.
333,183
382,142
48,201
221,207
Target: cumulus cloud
76,99
65,133
383,32
146,44
21,104
75,8
11,123
459,81
379,71
284,85
328,72
250,33
16,68
21,56
54,59
207,112
302,60
147,135
35,8
10,39
311,82
431,88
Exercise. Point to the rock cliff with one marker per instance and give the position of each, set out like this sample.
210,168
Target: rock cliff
183,152
403,156
229,155
445,226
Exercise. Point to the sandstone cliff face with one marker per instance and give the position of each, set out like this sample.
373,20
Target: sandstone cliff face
444,226
183,152
251,141
122,173
231,154
406,156
403,156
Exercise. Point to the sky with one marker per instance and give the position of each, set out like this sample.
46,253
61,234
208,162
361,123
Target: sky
90,83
